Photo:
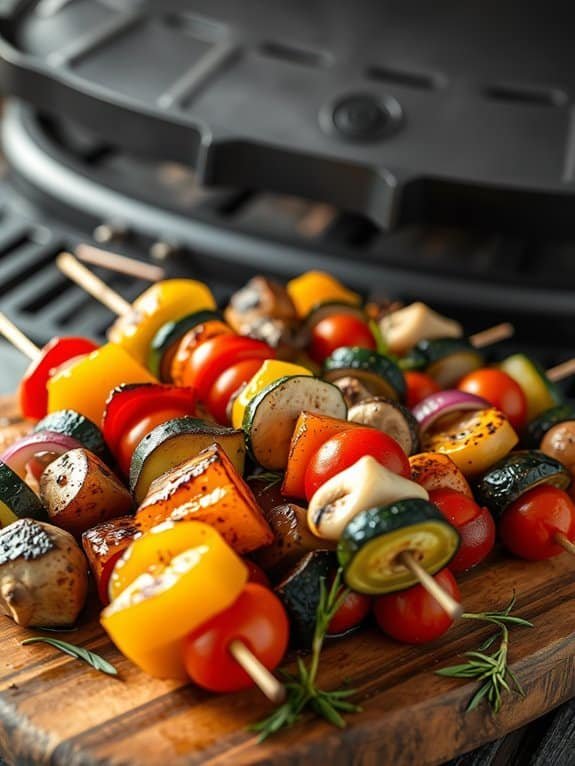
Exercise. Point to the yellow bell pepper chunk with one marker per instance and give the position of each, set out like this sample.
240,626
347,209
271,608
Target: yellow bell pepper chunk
270,371
163,302
314,288
475,441
86,385
174,590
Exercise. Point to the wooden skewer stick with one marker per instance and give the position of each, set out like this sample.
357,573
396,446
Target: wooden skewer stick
492,335
266,682
120,263
92,284
17,338
565,543
447,602
561,371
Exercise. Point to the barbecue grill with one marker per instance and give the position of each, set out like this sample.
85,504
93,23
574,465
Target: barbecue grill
415,150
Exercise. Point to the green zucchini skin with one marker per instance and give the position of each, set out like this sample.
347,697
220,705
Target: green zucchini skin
353,361
370,545
427,352
18,496
184,426
515,475
171,333
72,423
268,438
539,426
300,592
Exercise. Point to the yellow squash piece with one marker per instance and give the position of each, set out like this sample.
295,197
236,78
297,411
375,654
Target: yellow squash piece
270,371
475,441
163,302
314,288
178,576
86,385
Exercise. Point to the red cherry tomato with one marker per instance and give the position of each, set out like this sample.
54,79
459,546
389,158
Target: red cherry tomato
214,356
419,385
256,573
346,448
33,394
351,613
226,385
134,435
258,619
413,616
529,525
500,390
475,526
336,331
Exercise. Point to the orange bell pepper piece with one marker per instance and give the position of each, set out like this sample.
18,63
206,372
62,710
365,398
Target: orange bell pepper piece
311,431
178,577
208,488
314,288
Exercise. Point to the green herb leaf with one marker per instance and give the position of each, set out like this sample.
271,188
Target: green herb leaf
269,478
303,692
491,670
78,652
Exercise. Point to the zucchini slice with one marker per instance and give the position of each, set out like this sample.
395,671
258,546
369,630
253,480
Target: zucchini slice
390,417
369,547
540,392
377,372
446,360
544,422
270,417
515,475
176,441
300,592
72,423
172,332
17,501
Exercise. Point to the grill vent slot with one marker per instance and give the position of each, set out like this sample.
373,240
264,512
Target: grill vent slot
294,55
521,94
406,78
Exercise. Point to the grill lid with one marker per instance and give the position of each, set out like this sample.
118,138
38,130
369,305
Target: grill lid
400,111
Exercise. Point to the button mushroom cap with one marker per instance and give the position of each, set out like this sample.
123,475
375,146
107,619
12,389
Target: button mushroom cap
43,574
559,442
403,328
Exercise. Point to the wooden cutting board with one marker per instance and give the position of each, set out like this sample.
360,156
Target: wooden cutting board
56,710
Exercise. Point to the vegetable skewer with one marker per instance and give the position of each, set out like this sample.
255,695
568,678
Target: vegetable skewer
453,608
266,682
93,285
17,338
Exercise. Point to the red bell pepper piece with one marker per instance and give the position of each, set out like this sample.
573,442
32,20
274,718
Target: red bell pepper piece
33,394
214,356
132,403
103,546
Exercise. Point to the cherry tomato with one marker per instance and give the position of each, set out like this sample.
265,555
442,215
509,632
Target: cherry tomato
475,526
33,394
226,385
258,619
419,385
134,435
256,573
346,448
336,331
529,525
413,616
351,613
500,390
214,356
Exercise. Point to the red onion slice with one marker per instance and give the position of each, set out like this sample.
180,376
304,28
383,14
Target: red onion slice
448,402
22,452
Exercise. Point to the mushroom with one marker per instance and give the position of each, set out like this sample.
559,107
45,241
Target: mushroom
43,574
403,328
263,310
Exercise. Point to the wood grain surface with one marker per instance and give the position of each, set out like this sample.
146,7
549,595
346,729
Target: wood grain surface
54,709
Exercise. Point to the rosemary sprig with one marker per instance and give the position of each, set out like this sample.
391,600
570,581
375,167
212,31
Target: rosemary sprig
270,477
78,652
302,690
491,669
